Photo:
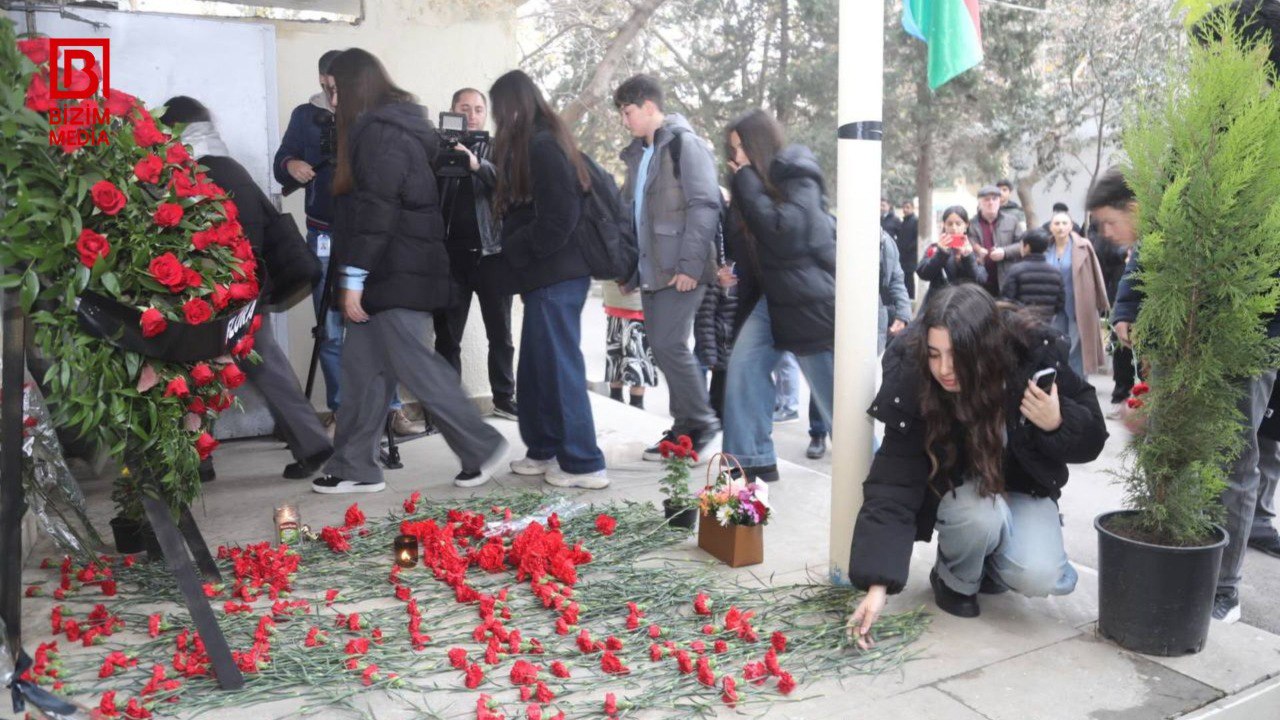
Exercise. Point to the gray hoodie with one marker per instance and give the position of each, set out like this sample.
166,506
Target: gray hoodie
676,229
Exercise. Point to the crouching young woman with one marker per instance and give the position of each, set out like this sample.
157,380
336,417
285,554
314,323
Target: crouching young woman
975,450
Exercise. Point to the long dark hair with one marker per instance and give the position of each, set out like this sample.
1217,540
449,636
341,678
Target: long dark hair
762,139
985,338
363,85
519,109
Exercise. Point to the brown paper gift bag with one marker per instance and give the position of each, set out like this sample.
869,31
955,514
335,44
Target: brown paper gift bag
735,545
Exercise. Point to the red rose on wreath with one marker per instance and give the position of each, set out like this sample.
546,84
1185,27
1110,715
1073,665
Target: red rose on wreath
38,97
91,247
148,169
202,374
153,323
36,49
197,311
120,103
243,291
168,214
177,387
221,298
177,154
232,376
145,132
107,197
167,269
205,445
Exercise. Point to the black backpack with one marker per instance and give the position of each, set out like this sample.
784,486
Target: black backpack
604,234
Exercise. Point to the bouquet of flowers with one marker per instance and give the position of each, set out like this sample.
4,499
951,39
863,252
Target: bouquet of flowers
734,501
678,456
112,215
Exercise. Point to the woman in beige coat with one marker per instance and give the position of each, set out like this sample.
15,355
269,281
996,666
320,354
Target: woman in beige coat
1086,300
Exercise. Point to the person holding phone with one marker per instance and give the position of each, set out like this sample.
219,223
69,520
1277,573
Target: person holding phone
951,259
975,449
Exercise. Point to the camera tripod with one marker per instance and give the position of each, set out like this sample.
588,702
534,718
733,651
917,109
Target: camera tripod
389,450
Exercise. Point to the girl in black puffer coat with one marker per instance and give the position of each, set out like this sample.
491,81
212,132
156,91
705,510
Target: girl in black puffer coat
784,240
389,249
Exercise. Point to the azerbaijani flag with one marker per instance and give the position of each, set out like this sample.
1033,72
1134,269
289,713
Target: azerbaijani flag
951,29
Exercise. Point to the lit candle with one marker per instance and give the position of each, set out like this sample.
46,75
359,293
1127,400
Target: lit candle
406,549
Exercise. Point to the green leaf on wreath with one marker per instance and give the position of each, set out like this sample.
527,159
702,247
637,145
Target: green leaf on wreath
112,284
30,289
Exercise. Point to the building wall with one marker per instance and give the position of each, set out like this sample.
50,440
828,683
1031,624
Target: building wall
430,49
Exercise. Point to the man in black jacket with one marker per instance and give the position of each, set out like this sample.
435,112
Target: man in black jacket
273,377
1034,282
470,238
889,221
305,159
909,246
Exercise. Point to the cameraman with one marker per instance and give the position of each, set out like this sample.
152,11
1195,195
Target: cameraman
470,239
306,159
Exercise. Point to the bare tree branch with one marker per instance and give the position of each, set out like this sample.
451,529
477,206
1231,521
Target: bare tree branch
603,75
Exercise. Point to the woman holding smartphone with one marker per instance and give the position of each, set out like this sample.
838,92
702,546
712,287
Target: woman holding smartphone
951,259
974,449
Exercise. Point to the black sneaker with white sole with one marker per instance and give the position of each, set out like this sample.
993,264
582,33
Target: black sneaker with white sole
333,485
652,453
476,478
706,441
1226,606
505,408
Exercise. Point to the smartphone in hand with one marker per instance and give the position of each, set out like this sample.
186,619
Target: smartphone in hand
1045,379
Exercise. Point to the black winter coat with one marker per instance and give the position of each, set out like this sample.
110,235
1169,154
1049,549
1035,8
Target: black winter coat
1036,284
538,243
787,253
900,502
390,223
713,325
255,210
943,267
908,242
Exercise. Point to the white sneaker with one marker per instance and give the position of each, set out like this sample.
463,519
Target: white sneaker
528,466
590,480
487,469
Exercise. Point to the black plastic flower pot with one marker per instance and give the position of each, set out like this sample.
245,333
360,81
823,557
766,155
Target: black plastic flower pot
1155,599
131,536
682,517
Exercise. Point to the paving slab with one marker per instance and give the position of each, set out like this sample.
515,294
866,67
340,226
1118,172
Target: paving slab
1236,657
924,703
1078,678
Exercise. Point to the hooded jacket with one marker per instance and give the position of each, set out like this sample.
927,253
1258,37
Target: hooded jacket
389,225
676,228
788,247
303,141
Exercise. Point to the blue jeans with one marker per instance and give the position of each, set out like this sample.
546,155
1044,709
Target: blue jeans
787,378
551,379
1015,539
1070,329
331,346
749,389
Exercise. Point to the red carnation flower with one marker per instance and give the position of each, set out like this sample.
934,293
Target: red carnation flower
205,445
152,322
1134,403
730,691
779,642
197,311
701,604
559,669
458,658
411,504
705,674
475,674
1140,389
355,516
92,247
168,215
107,197
606,524
721,646
786,683
148,169
610,704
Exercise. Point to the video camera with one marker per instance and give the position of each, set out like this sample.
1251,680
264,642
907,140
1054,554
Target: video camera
452,162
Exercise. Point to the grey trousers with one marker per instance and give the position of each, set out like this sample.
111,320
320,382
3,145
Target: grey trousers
668,321
396,346
293,414
1241,496
1264,515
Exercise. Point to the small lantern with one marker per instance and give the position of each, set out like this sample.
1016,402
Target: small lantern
406,551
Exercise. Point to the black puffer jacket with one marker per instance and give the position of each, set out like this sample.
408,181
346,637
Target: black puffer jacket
390,223
713,325
787,253
1036,284
256,211
538,243
901,502
943,266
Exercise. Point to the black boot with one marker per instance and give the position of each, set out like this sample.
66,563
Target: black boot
615,393
958,604
637,401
